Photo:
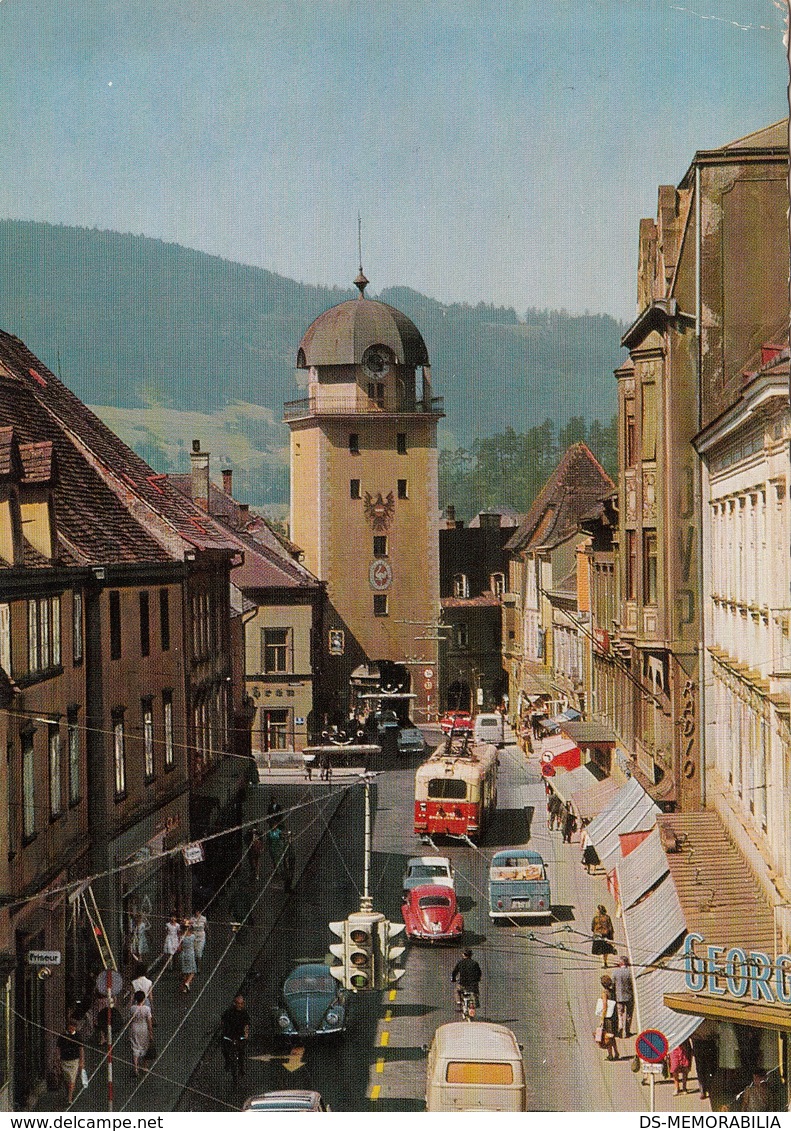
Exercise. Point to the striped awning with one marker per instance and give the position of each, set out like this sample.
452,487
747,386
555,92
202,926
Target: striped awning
650,987
590,801
654,924
641,868
568,782
631,809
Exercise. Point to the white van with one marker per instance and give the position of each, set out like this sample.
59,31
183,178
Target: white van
475,1066
490,728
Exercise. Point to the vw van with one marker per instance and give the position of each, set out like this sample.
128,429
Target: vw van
518,885
490,728
475,1066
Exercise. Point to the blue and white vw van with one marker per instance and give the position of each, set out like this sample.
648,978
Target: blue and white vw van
518,885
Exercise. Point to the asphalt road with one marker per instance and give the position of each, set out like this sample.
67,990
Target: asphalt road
540,980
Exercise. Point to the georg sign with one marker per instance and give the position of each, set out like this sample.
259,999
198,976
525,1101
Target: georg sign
736,972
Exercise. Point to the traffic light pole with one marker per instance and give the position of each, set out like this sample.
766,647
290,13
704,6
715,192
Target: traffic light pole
366,902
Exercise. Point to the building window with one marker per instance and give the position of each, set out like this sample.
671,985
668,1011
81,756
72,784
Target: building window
28,787
631,565
5,639
376,393
43,635
147,712
276,730
380,545
54,613
44,638
461,585
167,714
497,584
73,736
401,443
276,650
119,754
145,643
630,434
354,488
354,443
32,637
164,619
76,627
402,489
461,635
380,604
115,625
649,567
649,422
55,754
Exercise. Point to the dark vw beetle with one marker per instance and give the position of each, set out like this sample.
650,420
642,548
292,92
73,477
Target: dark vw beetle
311,1004
430,914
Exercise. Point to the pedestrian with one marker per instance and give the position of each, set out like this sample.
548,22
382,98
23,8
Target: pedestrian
288,863
554,809
199,924
254,853
141,1029
274,813
275,841
172,937
72,1057
104,1016
569,825
706,1052
590,857
755,1096
603,933
680,1060
187,956
624,995
235,1033
139,945
142,982
605,1013
326,766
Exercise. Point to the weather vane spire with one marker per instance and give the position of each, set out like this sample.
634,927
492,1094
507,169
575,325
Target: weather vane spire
360,282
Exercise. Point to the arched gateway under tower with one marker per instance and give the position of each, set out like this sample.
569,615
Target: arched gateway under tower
364,505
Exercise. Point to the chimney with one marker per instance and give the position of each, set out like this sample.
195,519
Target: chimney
450,517
244,515
200,476
227,481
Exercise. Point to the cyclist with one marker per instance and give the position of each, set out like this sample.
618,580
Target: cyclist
467,976
235,1034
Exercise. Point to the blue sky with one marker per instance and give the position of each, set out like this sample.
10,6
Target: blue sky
497,150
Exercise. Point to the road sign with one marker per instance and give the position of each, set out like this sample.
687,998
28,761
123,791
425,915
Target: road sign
651,1046
116,982
193,853
428,673
43,958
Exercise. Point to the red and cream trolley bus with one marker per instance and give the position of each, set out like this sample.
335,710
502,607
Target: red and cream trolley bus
456,789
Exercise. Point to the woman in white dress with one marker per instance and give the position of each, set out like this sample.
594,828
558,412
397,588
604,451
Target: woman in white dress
199,922
141,1031
172,937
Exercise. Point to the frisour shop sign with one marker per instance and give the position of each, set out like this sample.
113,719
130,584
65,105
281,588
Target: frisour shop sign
734,972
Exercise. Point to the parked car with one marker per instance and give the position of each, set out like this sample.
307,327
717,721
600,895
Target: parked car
422,870
311,1003
386,721
456,721
490,727
410,741
430,914
286,1101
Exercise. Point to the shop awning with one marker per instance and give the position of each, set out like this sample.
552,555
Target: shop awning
653,991
588,731
641,868
756,1014
589,801
568,782
654,924
714,880
631,809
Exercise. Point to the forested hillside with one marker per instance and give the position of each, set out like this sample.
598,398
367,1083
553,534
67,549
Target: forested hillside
133,324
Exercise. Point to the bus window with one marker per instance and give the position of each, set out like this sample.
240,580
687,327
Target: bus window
447,788
479,1072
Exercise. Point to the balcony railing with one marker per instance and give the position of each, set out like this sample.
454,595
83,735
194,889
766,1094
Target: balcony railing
349,406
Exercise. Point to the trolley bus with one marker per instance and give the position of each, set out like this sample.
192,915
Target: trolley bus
456,789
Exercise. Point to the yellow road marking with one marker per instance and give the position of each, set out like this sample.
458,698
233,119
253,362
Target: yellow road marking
385,1041
392,995
375,1092
389,1015
380,1066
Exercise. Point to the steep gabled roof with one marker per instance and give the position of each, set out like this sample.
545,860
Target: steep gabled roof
111,506
576,484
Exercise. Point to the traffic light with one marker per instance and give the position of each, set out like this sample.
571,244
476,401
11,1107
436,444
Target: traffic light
338,949
361,939
387,973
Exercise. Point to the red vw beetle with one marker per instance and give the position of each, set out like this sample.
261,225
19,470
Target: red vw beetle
457,721
430,915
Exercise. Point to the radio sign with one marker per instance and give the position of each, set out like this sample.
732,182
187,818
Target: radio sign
43,958
736,973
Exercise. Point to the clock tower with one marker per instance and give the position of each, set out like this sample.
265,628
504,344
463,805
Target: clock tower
364,500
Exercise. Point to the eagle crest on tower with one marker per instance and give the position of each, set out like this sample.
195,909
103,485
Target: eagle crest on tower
379,511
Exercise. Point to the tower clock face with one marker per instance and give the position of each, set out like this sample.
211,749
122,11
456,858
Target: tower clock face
375,363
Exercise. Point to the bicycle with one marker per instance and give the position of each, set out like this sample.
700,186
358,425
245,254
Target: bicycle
469,1003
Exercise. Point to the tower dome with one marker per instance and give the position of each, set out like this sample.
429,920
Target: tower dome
342,334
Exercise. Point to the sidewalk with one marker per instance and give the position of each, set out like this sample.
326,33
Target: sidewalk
185,1024
612,1086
